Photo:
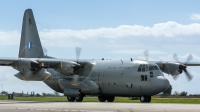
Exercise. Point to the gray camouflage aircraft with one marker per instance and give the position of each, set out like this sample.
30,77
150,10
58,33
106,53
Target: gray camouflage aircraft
103,78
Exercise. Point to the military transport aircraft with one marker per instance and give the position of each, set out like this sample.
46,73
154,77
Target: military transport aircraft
77,78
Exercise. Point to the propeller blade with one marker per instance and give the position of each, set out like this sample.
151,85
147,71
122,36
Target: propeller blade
189,58
75,80
176,58
183,67
175,77
188,75
146,54
78,52
45,50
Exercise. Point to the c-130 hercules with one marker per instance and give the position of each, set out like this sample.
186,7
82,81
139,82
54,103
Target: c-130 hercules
77,78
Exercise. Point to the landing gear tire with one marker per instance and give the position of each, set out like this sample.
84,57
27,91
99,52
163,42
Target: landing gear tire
102,98
148,99
70,99
79,98
145,99
110,98
142,99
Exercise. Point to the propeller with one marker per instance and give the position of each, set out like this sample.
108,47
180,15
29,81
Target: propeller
146,54
35,65
78,52
45,50
75,79
182,67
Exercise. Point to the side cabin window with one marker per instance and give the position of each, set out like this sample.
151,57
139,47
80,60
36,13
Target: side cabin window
143,68
143,78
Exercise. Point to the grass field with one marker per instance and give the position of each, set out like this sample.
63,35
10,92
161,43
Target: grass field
117,99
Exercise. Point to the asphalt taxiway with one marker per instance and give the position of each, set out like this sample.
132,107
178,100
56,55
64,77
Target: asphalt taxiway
31,106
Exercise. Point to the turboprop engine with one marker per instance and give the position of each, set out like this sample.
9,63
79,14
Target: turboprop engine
30,70
26,65
67,67
172,68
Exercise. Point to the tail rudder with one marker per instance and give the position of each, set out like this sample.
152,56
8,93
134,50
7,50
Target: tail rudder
30,45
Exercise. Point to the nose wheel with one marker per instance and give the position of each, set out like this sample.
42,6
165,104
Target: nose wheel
108,98
145,99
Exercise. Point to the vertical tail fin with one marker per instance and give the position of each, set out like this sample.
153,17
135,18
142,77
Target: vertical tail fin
30,45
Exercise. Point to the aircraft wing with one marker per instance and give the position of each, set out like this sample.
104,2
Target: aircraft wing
64,66
162,63
49,62
7,61
192,64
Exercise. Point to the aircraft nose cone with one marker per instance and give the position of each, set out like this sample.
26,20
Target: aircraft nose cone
163,83
160,85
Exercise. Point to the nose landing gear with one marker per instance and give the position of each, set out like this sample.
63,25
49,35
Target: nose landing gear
108,98
145,99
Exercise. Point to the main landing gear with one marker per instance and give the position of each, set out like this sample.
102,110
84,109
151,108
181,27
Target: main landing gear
108,98
145,99
72,99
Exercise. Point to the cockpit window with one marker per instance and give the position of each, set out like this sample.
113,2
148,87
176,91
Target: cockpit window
156,68
151,68
143,68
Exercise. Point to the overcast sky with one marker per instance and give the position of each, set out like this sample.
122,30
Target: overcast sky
110,29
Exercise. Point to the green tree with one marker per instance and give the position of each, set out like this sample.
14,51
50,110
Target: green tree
183,93
176,93
43,94
4,93
38,95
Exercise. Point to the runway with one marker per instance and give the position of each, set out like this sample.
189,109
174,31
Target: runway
30,106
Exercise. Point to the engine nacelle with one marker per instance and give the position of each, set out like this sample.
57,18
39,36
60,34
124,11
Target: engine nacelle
66,67
40,75
26,65
171,68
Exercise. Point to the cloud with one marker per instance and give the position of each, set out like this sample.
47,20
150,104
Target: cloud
167,29
195,16
158,30
130,51
9,37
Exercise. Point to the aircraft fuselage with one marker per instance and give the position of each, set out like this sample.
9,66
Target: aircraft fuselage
113,78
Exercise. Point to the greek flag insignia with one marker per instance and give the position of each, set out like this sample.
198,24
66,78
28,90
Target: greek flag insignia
29,45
